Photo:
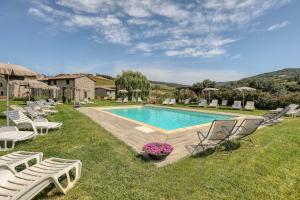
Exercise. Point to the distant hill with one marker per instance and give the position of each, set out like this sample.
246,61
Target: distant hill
103,81
172,85
284,75
288,76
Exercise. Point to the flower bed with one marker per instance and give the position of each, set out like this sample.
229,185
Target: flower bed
158,151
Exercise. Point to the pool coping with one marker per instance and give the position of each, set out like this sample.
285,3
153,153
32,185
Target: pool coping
102,109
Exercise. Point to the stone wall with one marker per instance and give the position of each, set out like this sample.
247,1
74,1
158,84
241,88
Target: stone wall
85,88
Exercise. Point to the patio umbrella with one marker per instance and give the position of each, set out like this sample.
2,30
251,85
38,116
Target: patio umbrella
209,90
243,90
13,70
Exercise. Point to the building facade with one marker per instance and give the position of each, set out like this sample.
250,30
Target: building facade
2,87
105,92
72,86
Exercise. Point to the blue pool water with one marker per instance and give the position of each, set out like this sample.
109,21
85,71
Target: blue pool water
168,119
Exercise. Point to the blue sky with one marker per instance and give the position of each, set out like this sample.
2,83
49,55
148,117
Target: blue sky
168,40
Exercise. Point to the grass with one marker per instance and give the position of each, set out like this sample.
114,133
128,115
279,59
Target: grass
103,81
112,170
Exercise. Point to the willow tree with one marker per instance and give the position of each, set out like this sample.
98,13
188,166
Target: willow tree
130,81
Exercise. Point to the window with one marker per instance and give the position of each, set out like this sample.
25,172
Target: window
54,82
1,93
1,84
68,82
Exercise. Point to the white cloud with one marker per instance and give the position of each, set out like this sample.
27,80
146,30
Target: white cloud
278,26
171,27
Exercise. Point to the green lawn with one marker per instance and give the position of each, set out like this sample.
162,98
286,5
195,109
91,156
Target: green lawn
112,170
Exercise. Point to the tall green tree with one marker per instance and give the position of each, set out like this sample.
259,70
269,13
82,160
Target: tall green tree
199,86
130,81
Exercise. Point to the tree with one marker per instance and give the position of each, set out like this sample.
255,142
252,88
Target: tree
131,80
199,86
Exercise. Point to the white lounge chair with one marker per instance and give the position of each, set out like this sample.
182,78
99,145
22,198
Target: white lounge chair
33,114
249,105
86,100
30,182
237,105
139,100
272,118
214,103
45,111
291,106
133,99
293,113
10,135
224,102
187,101
246,128
125,100
119,100
172,102
218,133
203,103
21,120
166,101
16,107
19,158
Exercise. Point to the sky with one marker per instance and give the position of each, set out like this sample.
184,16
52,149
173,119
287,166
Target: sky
181,41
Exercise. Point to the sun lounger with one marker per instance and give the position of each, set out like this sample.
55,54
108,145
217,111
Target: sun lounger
203,103
119,100
291,106
249,105
15,107
218,133
277,110
19,158
187,101
274,117
237,105
166,101
224,102
172,102
214,103
33,114
10,135
139,100
31,181
125,100
45,111
133,99
87,101
293,113
246,128
21,120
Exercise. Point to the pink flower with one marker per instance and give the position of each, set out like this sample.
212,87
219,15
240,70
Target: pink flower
158,148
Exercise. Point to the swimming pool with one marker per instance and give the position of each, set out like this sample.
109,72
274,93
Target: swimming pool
167,118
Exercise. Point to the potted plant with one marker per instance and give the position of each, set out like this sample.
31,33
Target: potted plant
157,151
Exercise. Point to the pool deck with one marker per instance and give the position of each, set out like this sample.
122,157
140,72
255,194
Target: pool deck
129,132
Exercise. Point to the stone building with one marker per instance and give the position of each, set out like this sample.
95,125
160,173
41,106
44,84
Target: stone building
72,86
106,92
2,87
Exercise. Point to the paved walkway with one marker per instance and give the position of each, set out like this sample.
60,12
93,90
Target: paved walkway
126,131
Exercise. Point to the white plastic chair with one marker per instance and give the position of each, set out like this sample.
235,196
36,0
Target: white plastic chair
203,103
21,120
10,135
31,181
